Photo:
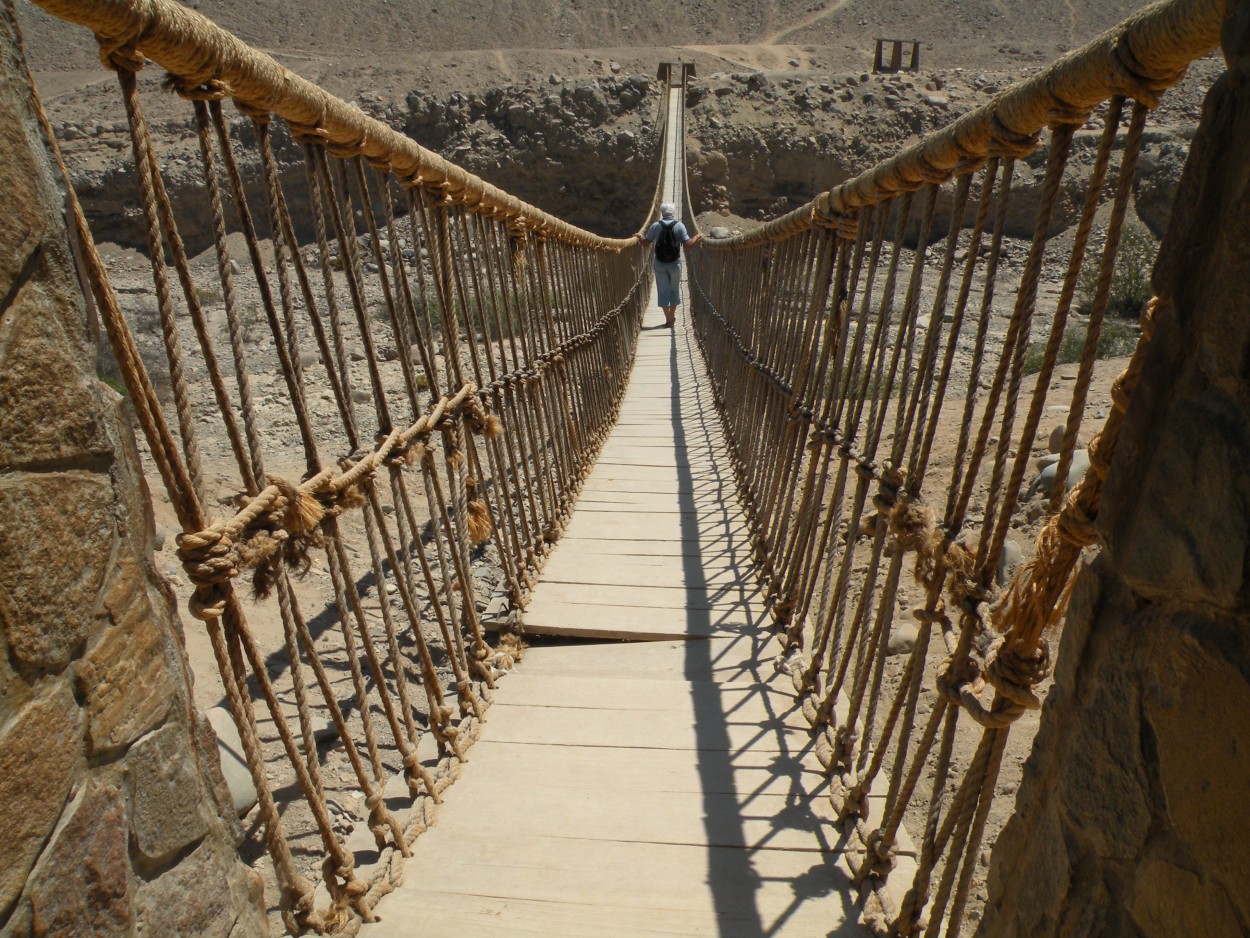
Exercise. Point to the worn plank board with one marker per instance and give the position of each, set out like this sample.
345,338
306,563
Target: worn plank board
530,766
607,570
631,623
575,691
415,912
642,729
726,657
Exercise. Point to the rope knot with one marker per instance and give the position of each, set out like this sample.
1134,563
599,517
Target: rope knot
212,89
881,858
309,134
256,112
346,150
963,683
301,512
1006,144
118,54
934,616
865,469
1014,675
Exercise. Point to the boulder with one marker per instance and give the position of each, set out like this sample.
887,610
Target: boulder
902,639
1049,465
1007,560
233,761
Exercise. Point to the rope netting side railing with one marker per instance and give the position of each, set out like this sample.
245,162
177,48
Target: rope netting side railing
855,356
440,364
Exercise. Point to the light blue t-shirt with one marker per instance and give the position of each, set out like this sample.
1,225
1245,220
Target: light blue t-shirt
653,233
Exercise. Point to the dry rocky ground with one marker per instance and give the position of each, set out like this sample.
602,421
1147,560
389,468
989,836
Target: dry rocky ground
557,104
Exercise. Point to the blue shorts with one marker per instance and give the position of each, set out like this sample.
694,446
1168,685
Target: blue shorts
668,282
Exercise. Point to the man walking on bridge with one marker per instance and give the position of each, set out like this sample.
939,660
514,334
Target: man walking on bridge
669,236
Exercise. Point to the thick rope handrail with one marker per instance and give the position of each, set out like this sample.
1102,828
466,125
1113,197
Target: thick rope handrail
813,382
199,52
1140,58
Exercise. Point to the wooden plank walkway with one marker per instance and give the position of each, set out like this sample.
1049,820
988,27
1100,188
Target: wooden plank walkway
664,785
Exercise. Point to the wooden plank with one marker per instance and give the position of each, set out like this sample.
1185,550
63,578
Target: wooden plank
721,657
574,691
414,912
669,572
633,729
619,483
657,456
608,769
648,595
686,475
776,822
671,502
659,526
625,547
669,877
632,623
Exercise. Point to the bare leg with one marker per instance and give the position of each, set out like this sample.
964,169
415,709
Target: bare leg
670,314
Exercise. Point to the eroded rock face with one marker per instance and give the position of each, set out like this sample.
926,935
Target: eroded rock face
759,144
102,784
1132,818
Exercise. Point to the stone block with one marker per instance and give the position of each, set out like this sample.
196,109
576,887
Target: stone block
1198,706
1178,545
166,797
196,897
50,410
205,742
1170,901
56,545
38,756
82,884
125,678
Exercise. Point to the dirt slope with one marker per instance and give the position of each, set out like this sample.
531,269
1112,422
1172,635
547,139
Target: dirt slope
955,32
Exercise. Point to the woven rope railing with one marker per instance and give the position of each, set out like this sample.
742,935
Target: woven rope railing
840,339
513,333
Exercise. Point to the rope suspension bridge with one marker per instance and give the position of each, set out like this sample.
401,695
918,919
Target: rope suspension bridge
707,531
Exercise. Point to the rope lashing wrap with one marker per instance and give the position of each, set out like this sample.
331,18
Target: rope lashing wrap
214,556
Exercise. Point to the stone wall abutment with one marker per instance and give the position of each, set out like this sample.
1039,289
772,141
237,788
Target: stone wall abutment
114,817
1133,817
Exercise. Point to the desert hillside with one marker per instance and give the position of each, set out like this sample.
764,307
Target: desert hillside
553,100
955,32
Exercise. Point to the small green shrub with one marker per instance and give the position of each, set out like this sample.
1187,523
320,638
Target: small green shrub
208,294
1116,340
1130,281
113,381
